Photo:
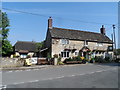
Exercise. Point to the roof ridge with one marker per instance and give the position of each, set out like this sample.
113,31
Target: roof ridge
76,30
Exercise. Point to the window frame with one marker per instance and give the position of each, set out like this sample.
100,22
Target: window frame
65,54
99,44
76,53
85,43
65,41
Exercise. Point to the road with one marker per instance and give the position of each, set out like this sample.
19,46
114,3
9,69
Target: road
69,76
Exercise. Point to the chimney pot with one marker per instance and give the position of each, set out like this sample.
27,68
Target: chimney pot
102,30
102,26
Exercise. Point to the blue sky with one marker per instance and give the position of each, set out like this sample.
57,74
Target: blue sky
87,16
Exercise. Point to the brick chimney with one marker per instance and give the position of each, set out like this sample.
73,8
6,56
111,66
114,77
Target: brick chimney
102,30
50,23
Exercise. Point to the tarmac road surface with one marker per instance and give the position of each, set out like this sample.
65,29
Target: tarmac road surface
69,76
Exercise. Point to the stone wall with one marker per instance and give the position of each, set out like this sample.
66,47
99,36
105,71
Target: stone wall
11,62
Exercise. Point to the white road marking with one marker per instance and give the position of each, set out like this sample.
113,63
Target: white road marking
36,69
91,72
9,71
60,77
21,82
100,71
72,75
18,70
64,76
82,74
28,70
34,81
49,79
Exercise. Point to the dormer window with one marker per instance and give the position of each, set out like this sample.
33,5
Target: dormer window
85,43
64,41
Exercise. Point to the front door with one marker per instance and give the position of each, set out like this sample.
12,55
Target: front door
85,54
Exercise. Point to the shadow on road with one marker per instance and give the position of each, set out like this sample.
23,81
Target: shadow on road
108,64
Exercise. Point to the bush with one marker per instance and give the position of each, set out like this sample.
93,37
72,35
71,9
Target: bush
60,63
84,61
55,55
107,59
92,60
78,58
117,60
14,56
69,59
98,59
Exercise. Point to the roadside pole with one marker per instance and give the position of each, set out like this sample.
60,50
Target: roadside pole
114,42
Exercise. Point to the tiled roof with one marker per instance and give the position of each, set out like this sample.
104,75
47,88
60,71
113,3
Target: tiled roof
26,46
78,35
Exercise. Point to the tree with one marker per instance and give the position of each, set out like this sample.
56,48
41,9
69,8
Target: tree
6,48
118,51
39,46
4,32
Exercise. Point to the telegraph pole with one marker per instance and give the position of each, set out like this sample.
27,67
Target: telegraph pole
114,41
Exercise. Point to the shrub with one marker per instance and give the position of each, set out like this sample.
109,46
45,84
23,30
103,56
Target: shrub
67,59
92,60
84,61
48,55
78,58
15,56
117,60
82,58
55,55
60,63
107,59
98,59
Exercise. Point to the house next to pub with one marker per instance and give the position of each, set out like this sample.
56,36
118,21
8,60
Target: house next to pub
24,48
70,43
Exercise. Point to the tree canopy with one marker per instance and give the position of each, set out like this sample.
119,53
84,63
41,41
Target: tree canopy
4,32
39,45
118,51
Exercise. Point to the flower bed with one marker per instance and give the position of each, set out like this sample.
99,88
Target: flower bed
75,60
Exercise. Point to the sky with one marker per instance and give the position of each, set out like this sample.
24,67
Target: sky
86,16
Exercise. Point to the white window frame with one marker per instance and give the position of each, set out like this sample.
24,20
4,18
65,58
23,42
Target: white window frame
65,54
100,44
76,53
23,55
85,43
65,41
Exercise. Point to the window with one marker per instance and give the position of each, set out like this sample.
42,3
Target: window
110,48
85,43
65,54
99,44
65,41
96,52
76,53
23,55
